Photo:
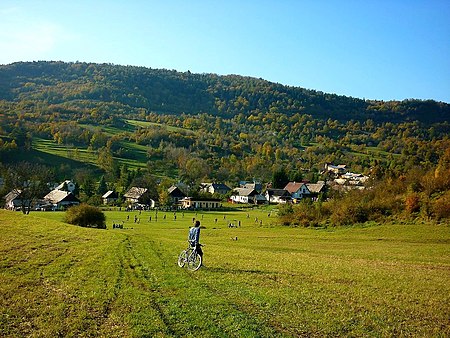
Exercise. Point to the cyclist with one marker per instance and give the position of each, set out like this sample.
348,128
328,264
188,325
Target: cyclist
194,238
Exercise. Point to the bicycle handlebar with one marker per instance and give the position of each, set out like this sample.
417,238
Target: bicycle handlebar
194,243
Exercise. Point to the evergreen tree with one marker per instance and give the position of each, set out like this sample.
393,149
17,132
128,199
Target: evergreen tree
279,178
102,187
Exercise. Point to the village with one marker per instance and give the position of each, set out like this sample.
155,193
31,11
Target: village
63,195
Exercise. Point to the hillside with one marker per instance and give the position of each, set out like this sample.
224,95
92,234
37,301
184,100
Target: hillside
127,88
135,125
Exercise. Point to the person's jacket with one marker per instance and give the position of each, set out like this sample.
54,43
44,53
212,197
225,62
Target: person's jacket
194,235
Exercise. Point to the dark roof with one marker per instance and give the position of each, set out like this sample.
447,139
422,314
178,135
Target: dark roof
220,186
174,191
278,192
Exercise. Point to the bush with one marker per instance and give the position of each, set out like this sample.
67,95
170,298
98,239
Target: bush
412,203
305,214
348,214
441,207
86,216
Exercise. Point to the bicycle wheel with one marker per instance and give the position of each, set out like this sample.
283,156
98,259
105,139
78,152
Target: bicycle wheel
182,258
194,261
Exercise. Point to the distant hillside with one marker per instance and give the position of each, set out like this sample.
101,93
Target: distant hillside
132,89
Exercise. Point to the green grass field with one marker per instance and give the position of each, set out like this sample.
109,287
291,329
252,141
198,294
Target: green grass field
146,124
62,280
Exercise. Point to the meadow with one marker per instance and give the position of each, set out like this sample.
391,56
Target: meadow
259,279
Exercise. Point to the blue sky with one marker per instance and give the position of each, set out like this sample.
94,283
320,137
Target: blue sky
373,49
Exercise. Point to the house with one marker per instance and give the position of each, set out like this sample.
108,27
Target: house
67,185
355,179
191,203
215,188
110,197
61,199
14,201
277,196
336,169
351,181
316,189
247,195
298,190
251,185
43,205
243,195
175,194
137,195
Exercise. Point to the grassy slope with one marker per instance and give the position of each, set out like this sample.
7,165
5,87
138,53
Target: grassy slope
57,279
136,154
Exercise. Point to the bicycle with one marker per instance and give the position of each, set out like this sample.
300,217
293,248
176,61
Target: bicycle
191,257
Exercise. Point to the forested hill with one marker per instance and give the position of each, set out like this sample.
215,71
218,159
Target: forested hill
137,89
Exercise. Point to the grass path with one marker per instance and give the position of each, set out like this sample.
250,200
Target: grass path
62,280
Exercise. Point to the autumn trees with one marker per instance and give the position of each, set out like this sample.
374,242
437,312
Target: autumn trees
226,128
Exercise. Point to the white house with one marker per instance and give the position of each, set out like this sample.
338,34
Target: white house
247,195
336,169
277,196
215,188
70,186
191,203
243,195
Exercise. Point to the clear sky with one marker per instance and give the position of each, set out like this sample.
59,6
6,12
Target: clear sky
373,49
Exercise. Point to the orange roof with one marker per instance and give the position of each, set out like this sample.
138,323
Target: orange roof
293,186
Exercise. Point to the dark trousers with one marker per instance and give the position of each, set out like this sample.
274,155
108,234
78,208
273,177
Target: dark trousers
199,249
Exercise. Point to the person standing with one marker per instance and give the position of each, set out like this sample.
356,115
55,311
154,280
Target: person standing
194,237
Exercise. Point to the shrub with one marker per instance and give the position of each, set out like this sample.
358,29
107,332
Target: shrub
412,202
441,207
285,210
86,216
348,214
306,213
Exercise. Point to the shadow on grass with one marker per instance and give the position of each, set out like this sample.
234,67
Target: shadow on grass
40,157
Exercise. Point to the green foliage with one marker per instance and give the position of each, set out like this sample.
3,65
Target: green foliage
102,187
85,215
385,199
128,122
280,178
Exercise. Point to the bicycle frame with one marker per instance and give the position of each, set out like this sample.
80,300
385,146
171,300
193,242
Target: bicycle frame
191,258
